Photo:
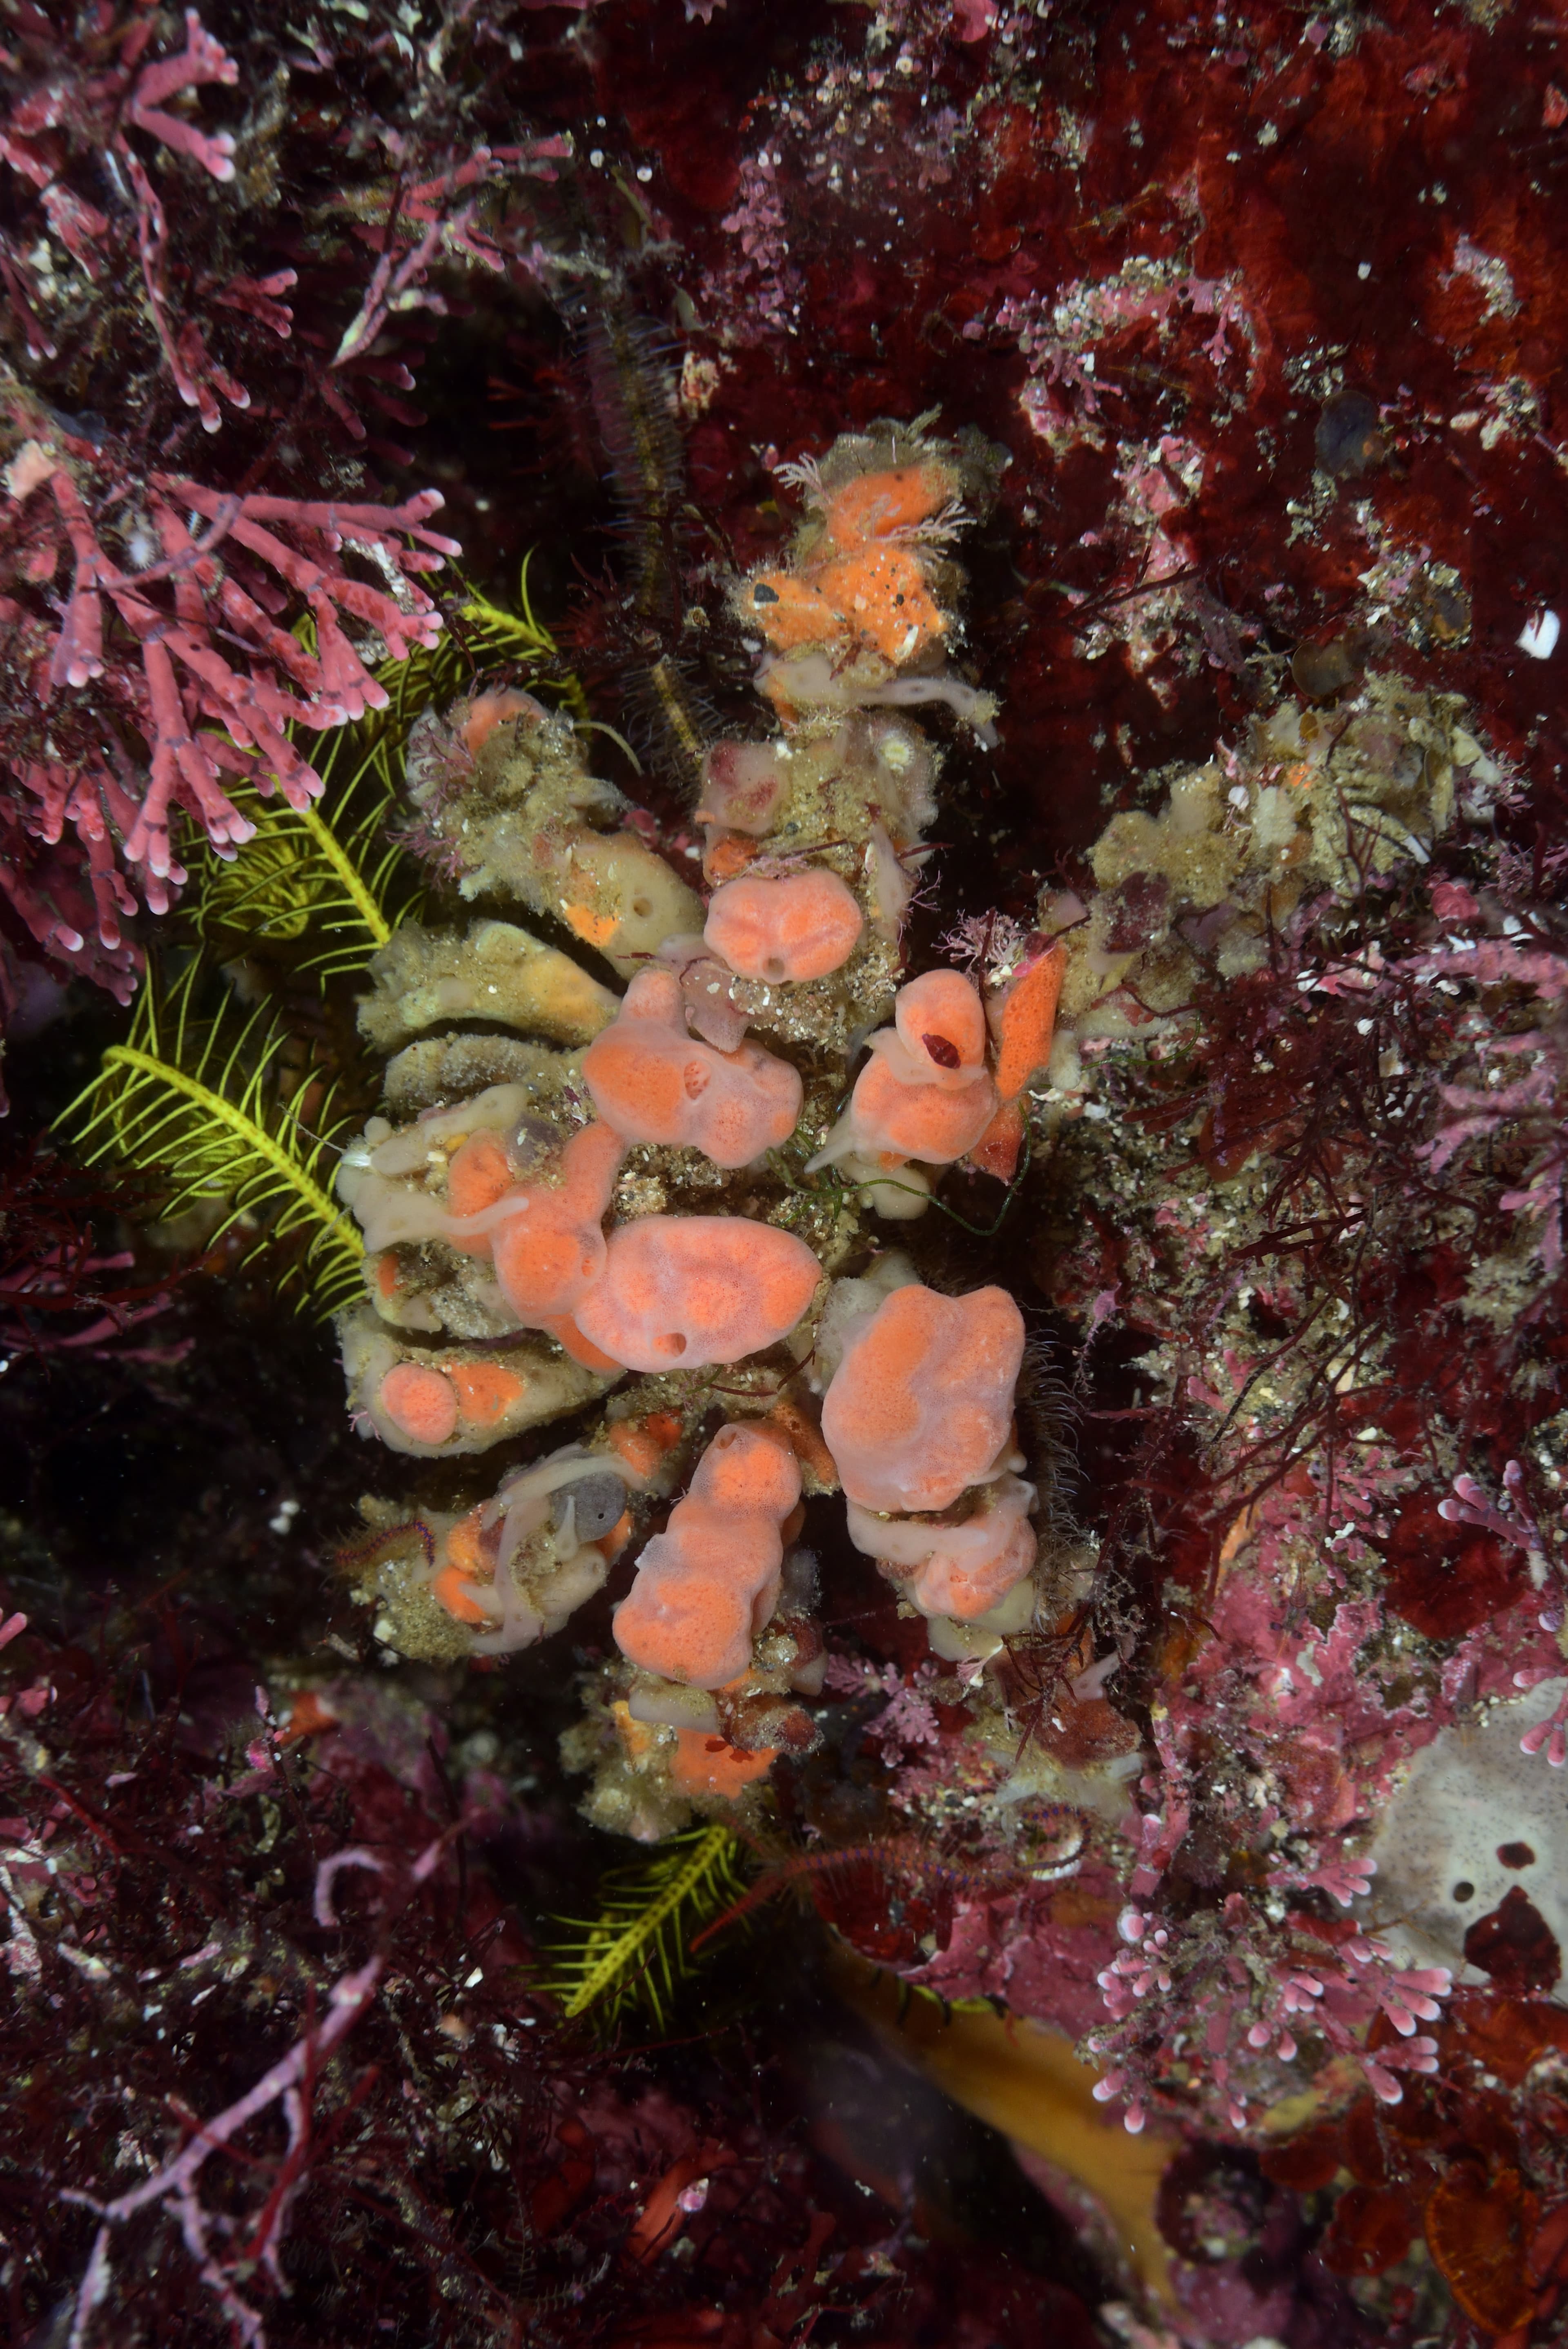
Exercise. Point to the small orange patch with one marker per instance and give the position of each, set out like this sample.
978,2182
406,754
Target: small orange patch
593,929
883,599
419,1402
386,1272
610,1545
307,1717
704,1764
489,710
873,592
464,1546
996,1152
484,1391
571,1341
479,1174
727,856
450,1589
644,1443
874,505
638,1738
1025,1022
805,1441
791,613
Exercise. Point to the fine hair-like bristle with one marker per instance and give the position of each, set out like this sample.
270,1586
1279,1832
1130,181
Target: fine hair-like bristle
630,384
675,718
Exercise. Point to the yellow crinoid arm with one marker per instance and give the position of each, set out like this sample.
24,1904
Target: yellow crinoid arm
333,874
634,1951
197,1102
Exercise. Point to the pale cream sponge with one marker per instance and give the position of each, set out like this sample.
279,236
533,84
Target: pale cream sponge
1466,1799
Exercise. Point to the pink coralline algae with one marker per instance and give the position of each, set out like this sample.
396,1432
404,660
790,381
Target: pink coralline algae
167,661
178,676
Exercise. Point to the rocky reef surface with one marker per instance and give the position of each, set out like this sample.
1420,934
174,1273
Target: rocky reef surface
781,1259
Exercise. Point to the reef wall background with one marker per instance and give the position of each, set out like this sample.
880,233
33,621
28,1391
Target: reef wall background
1265,1813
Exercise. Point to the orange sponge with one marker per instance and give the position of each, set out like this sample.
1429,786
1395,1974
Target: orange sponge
646,1443
564,1328
939,1019
997,1151
652,1082
801,926
865,585
880,505
464,1558
679,1292
550,1249
925,1092
916,1120
704,1764
963,1570
486,711
426,1404
423,1403
875,595
1023,1020
479,1174
486,1391
728,854
921,1401
710,1582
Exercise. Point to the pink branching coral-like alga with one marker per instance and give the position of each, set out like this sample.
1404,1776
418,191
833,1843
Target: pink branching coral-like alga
166,663
214,585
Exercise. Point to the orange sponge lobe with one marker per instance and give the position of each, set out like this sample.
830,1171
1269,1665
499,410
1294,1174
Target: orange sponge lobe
922,1403
679,1292
551,1250
708,1583
801,926
652,1082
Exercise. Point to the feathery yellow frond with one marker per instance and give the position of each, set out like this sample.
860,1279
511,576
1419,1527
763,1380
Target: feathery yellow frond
634,1952
330,869
197,1104
479,636
337,878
